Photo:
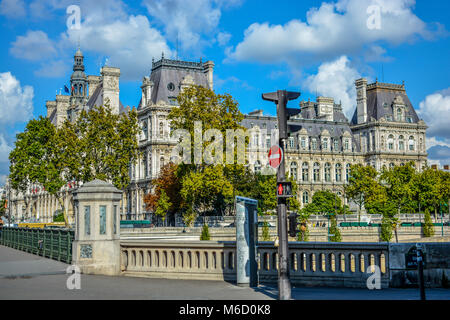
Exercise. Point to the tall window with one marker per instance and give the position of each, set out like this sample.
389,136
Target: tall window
294,170
268,142
303,143
161,163
305,197
336,145
145,164
399,114
347,144
325,144
327,172
411,143
316,172
291,142
391,142
338,169
305,171
347,172
401,143
314,144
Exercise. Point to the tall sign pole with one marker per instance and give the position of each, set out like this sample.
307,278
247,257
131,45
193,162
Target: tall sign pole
281,97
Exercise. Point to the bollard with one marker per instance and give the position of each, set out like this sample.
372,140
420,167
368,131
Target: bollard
420,270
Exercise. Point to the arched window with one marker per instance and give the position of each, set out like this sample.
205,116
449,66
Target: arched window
391,142
294,170
347,172
391,165
75,89
81,90
305,197
411,143
316,172
338,169
257,166
327,172
305,171
401,143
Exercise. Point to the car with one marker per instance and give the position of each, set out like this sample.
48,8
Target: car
261,224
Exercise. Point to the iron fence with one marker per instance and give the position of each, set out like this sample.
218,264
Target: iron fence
50,243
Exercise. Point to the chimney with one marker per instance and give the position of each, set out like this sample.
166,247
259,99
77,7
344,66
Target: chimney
361,100
208,68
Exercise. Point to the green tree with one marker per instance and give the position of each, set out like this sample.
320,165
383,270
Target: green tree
399,184
324,202
386,229
334,230
107,145
36,159
432,188
59,217
205,233
362,187
265,231
163,205
428,227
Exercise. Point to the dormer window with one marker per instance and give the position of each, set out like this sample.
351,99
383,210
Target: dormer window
303,143
409,119
399,114
336,145
314,144
325,144
291,142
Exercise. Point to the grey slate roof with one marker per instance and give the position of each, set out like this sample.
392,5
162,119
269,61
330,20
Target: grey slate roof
379,94
168,71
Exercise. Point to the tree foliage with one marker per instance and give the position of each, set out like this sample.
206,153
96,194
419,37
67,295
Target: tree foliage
428,227
335,233
205,233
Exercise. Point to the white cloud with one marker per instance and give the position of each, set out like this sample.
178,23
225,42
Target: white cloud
35,45
16,102
5,149
336,79
432,141
223,38
130,44
435,111
13,8
333,29
187,20
53,69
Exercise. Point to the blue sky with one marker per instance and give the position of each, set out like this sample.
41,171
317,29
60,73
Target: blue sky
257,46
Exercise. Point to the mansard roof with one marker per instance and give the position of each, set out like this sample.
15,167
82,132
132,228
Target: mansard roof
380,101
167,76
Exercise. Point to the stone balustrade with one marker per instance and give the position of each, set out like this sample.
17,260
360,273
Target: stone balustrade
205,260
326,264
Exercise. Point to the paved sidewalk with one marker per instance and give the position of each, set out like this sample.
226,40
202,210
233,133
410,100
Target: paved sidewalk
32,277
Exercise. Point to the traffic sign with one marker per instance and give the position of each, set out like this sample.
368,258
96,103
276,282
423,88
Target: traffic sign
275,156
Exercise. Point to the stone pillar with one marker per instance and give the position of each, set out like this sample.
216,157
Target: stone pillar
96,248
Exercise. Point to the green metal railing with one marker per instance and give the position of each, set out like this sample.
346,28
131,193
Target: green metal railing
49,243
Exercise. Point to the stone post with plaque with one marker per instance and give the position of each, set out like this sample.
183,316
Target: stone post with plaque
96,248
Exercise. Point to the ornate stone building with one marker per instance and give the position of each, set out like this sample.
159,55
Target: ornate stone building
323,143
85,93
159,95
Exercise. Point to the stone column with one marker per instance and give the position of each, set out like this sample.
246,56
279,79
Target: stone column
96,248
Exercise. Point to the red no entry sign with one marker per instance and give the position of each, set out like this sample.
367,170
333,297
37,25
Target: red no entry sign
275,156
